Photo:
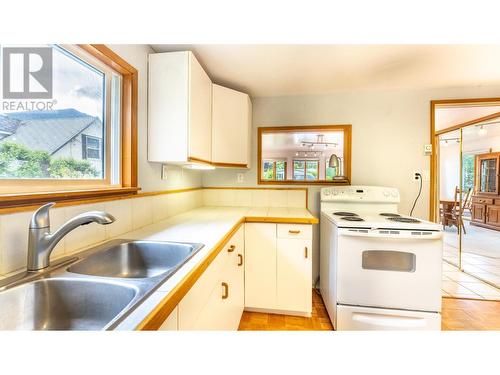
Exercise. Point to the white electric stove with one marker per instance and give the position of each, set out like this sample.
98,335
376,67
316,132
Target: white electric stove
379,270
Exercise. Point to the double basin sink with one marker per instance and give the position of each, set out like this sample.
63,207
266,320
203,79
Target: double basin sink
95,291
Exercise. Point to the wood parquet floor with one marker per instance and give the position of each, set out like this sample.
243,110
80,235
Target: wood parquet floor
457,314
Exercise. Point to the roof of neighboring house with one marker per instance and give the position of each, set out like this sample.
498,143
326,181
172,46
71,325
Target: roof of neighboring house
48,130
8,126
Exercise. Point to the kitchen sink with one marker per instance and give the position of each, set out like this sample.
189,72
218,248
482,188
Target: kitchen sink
95,290
63,304
136,259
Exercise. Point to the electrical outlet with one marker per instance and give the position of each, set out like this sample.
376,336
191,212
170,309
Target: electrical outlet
239,178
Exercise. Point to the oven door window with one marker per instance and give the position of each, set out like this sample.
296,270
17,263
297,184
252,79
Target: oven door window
388,260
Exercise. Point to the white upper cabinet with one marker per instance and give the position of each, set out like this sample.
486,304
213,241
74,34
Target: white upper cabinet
231,127
179,109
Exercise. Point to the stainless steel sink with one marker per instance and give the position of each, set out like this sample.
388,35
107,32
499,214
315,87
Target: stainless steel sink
99,289
135,259
63,304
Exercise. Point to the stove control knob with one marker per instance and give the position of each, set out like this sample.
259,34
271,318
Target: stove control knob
335,192
394,194
386,193
327,192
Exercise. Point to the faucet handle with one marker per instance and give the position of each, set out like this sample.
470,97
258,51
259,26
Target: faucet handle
40,218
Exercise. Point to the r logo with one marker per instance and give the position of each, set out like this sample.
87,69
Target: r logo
27,73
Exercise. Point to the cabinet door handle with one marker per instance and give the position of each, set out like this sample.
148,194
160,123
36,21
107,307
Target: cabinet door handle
240,257
297,231
231,249
225,294
305,252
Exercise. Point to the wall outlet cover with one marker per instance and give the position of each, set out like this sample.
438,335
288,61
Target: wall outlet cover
239,177
164,171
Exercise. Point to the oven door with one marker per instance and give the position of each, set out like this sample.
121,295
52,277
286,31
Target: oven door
399,269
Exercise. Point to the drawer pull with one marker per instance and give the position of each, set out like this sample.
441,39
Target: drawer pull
291,231
240,257
225,294
231,249
305,252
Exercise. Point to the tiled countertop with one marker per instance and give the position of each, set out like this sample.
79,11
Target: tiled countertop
210,226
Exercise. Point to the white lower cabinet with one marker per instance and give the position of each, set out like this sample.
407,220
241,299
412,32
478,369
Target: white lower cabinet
260,266
263,266
294,275
215,302
278,270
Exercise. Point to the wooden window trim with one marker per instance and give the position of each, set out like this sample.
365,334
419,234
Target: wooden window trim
346,128
128,164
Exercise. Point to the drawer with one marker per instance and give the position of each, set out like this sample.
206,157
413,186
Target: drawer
295,231
482,200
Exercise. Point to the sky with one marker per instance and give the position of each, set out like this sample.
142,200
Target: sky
76,85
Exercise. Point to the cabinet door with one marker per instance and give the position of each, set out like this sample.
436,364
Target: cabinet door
230,126
200,112
478,212
294,275
236,282
260,265
493,215
488,173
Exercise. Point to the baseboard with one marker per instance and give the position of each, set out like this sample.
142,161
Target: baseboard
282,312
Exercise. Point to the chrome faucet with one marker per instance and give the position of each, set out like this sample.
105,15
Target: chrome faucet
41,241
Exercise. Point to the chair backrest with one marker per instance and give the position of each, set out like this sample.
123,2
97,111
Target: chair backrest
468,199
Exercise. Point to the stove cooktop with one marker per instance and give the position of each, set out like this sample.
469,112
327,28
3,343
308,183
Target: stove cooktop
404,219
381,220
344,213
352,218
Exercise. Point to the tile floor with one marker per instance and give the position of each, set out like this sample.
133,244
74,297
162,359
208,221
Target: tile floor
460,285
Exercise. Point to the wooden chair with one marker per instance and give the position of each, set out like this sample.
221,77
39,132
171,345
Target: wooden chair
467,202
454,215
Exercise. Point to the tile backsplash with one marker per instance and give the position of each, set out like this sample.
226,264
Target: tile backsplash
255,197
130,214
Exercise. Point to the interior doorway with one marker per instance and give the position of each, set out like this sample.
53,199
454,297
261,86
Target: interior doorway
465,194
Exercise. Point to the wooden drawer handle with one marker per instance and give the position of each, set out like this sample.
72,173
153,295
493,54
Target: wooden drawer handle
291,231
305,252
240,257
231,248
226,290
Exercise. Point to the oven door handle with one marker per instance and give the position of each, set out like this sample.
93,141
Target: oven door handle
392,233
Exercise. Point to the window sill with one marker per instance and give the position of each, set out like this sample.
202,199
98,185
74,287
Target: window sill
25,201
302,182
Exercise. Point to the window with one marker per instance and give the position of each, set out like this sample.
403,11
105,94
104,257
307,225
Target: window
306,170
81,138
274,170
91,147
302,154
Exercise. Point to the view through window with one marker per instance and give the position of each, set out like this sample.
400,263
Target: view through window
73,138
295,154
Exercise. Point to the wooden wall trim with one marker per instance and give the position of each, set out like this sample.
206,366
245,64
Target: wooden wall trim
128,194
